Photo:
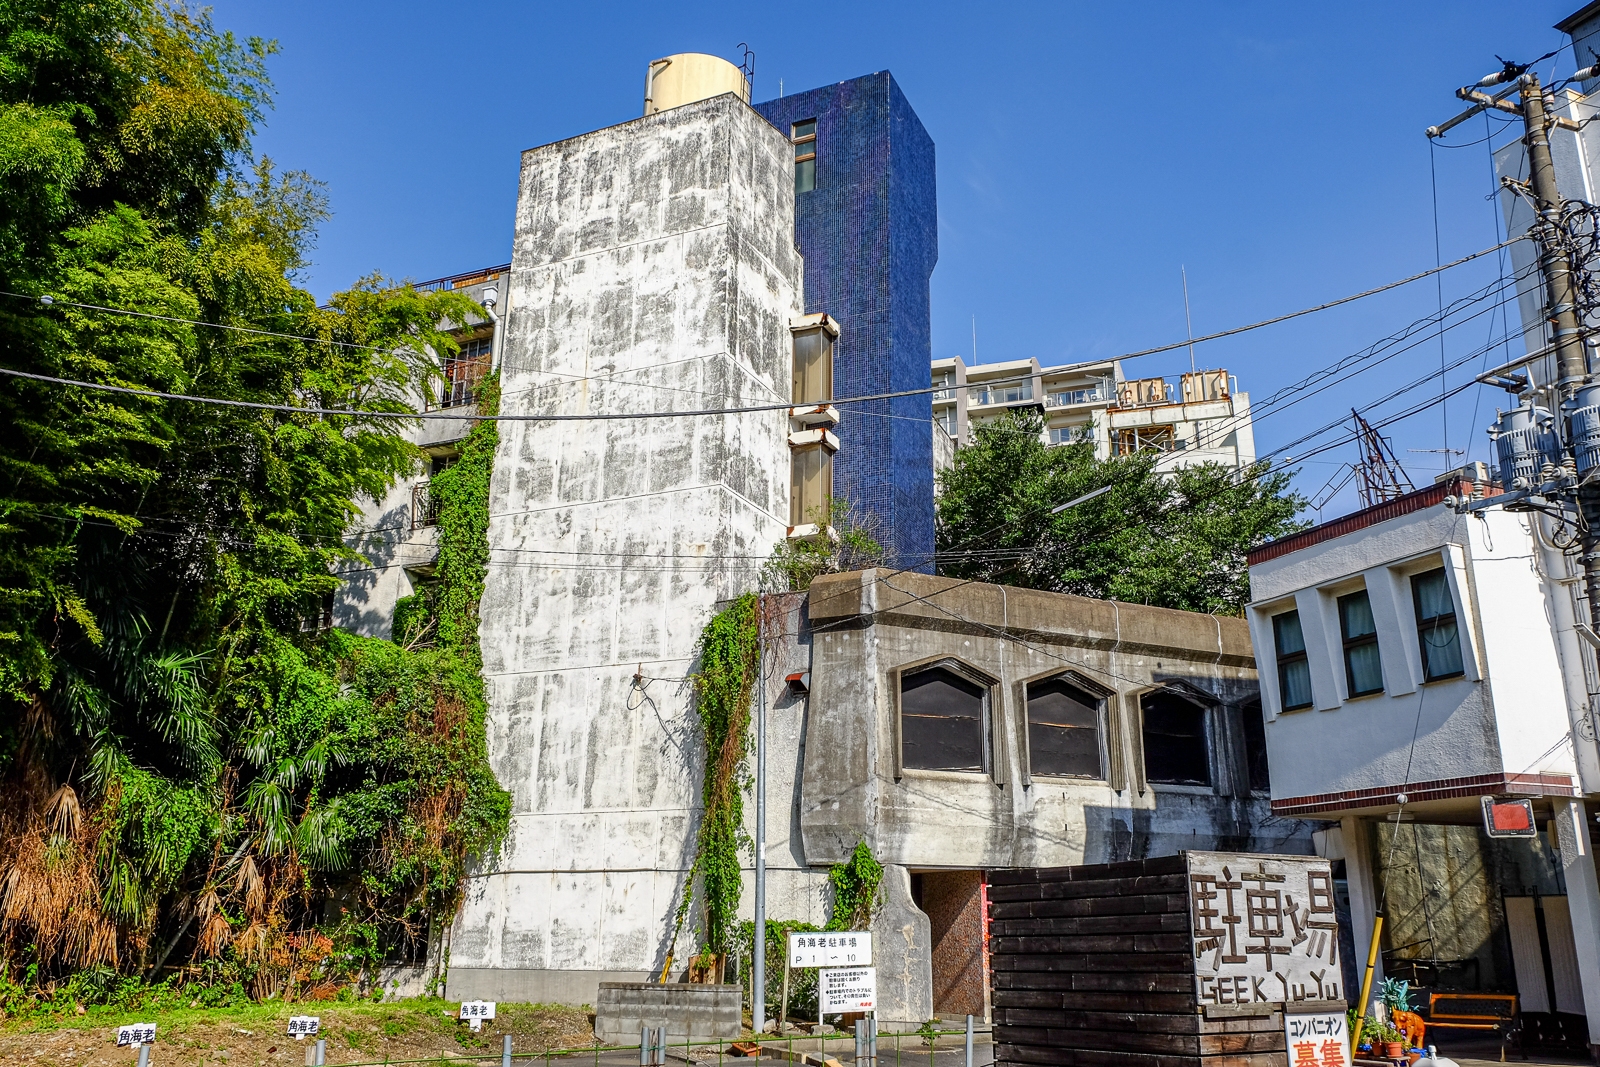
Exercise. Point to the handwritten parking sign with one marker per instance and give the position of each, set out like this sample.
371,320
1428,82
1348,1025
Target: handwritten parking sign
136,1034
841,948
476,1011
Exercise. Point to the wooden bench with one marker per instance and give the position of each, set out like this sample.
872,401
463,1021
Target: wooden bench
1472,1011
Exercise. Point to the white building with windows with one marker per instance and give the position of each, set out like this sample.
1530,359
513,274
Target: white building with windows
1415,660
1203,419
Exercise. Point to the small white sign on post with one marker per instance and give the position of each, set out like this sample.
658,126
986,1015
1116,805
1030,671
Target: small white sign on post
840,948
848,989
304,1026
136,1034
1317,1039
476,1012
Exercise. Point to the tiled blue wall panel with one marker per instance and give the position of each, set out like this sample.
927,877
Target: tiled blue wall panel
869,236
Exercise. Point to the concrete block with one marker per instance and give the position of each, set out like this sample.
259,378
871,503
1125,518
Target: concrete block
902,951
689,1012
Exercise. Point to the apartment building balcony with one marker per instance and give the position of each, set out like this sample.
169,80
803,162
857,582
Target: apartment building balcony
1067,398
1003,396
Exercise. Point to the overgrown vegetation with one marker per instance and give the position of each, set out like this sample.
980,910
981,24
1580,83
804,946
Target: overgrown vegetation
723,683
1176,539
190,775
850,545
855,884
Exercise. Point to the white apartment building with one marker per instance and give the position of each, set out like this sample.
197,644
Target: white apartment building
1416,660
1204,418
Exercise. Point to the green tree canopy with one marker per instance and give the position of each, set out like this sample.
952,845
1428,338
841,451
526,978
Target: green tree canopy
175,753
1173,540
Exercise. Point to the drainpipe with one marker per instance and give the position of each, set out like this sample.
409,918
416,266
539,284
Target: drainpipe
650,81
491,297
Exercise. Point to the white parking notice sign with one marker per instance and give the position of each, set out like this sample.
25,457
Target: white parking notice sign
848,989
841,948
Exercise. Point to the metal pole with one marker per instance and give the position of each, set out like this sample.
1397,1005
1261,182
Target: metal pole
1562,310
505,1051
322,1051
783,1001
144,1054
645,1034
758,950
969,1041
1366,982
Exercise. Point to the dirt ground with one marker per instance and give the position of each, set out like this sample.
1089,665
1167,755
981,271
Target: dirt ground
256,1036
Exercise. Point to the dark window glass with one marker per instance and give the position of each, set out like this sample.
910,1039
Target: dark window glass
1063,729
804,136
941,721
1174,734
1294,673
1436,625
1255,745
1362,667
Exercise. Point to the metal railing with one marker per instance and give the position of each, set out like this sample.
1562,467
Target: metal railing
424,508
462,281
1068,397
864,1049
1012,395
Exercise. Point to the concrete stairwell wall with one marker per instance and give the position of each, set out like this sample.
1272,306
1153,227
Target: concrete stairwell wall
654,269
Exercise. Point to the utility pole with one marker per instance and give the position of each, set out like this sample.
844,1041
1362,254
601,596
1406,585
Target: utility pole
1567,342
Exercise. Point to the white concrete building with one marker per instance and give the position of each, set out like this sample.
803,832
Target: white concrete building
654,268
1203,419
1414,660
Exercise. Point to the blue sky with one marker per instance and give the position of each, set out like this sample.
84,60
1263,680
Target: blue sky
1086,152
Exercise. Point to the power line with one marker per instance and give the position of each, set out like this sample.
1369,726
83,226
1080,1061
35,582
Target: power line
606,416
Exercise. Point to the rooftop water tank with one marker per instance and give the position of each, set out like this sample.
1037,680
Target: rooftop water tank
690,76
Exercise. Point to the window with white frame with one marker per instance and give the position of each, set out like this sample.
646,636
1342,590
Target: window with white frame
811,485
1294,672
1437,632
813,366
1363,669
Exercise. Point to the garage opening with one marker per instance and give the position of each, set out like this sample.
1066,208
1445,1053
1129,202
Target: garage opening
956,905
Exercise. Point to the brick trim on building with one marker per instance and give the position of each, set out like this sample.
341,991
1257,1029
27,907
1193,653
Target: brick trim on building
1529,785
1432,496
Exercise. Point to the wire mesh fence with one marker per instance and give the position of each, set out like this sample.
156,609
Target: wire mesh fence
892,1049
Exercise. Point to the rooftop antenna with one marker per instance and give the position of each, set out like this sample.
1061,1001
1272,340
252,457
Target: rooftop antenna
1382,477
748,67
1187,321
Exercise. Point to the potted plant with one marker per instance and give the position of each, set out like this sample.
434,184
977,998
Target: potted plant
1384,1039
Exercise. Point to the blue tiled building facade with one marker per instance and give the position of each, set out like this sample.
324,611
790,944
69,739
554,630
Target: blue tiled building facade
869,235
